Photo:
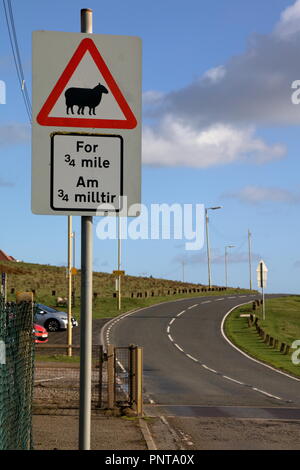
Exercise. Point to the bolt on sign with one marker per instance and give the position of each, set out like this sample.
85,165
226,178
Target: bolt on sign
86,129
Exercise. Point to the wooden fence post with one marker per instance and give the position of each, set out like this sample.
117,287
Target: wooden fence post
139,380
110,376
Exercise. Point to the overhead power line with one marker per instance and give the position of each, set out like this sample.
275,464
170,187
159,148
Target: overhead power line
16,55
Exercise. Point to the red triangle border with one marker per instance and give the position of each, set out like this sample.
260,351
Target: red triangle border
43,117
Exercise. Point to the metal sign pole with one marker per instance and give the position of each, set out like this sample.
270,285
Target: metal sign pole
69,285
86,305
119,261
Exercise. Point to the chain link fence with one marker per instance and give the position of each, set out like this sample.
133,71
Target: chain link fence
16,375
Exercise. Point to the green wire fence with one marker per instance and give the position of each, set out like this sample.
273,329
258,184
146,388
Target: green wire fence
16,375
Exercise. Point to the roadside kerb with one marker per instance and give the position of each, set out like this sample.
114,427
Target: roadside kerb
245,354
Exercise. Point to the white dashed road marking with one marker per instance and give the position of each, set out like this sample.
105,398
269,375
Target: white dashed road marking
204,365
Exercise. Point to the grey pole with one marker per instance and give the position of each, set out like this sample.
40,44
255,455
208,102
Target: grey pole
226,261
207,241
119,261
208,248
226,266
69,285
250,268
86,305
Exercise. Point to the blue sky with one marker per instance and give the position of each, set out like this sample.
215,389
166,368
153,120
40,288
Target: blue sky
219,128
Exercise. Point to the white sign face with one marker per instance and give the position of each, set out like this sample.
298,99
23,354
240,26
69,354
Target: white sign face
86,172
86,104
262,274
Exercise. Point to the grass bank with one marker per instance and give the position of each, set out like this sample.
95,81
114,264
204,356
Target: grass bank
282,322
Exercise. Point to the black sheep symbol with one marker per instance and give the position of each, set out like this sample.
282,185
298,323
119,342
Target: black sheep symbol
83,97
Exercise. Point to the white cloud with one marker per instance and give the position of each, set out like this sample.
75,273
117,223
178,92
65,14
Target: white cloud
14,134
213,120
152,97
215,74
289,23
258,194
175,143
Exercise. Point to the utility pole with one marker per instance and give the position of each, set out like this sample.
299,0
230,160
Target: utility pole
183,263
69,285
250,258
86,303
207,241
207,248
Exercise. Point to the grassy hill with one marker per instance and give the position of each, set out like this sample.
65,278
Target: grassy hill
49,282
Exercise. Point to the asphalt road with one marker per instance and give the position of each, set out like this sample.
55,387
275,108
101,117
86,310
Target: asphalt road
191,370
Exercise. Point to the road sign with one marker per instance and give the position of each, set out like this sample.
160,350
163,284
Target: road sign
94,108
24,297
81,180
86,111
119,273
262,274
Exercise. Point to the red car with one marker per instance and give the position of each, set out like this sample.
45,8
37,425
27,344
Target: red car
40,334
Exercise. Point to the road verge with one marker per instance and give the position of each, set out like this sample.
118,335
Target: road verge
246,340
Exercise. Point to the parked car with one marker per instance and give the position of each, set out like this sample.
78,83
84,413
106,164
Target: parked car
40,334
52,319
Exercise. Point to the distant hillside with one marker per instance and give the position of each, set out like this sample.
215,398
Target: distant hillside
46,280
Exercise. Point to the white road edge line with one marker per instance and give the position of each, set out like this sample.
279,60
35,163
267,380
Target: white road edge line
191,357
170,338
208,368
178,347
172,321
243,353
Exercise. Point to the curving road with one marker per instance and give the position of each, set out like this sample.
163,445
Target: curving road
191,370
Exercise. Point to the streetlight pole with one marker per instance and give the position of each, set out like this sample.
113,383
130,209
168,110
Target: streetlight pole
207,241
249,249
226,277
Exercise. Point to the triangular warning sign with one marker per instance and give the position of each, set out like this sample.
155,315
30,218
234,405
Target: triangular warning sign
75,103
